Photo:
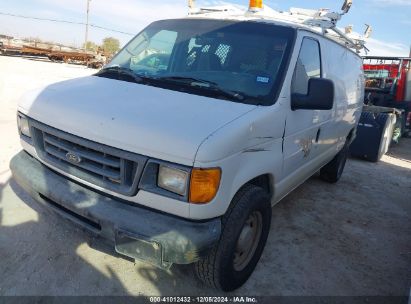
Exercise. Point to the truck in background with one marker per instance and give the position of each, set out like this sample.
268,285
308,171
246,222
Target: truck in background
54,52
387,112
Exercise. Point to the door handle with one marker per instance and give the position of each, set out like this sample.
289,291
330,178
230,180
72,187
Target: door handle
318,135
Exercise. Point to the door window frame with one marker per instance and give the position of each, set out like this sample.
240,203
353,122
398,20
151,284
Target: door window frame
304,38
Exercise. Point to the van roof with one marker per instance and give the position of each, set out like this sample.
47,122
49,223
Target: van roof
241,16
322,21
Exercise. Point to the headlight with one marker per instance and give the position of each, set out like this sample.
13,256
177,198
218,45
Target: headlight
172,179
23,125
187,184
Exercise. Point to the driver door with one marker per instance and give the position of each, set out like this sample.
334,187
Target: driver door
305,128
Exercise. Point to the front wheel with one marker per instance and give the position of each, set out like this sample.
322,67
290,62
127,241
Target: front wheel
245,229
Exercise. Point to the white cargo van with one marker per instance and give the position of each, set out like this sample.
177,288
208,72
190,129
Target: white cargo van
176,151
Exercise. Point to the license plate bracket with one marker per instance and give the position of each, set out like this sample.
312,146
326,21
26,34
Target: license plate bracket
140,248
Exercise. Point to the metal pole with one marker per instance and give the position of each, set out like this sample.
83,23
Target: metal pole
86,39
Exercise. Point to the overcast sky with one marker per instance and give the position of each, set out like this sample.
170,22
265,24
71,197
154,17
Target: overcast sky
391,19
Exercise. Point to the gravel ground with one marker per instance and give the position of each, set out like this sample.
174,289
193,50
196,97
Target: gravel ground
353,238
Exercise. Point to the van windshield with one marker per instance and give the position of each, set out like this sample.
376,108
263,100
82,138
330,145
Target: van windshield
237,61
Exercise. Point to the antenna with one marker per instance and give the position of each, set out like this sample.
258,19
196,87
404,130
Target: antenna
368,31
346,6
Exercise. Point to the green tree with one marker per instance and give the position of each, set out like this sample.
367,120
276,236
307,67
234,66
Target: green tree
111,45
91,46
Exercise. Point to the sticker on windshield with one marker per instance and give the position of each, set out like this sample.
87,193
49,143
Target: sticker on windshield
263,79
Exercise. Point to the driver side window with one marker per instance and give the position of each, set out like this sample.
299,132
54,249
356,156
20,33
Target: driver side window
308,66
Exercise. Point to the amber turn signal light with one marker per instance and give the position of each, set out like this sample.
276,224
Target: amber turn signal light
204,185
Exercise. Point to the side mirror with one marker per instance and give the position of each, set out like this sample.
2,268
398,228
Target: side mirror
320,96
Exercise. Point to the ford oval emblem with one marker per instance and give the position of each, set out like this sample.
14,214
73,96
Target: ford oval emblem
73,158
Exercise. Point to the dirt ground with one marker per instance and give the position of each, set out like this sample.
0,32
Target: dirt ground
352,238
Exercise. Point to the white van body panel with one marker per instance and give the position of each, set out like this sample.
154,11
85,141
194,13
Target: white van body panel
332,127
248,147
254,144
151,121
245,141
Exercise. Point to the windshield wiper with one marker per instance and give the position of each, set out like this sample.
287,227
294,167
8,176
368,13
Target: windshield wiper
121,71
186,79
207,84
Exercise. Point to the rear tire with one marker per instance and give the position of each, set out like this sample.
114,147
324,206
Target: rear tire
333,171
245,229
386,135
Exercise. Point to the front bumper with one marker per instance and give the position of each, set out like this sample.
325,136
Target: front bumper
136,232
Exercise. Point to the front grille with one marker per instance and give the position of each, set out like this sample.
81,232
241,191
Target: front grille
107,167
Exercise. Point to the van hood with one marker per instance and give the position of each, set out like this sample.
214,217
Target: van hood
147,120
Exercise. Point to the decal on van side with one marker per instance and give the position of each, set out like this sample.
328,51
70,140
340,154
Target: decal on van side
306,145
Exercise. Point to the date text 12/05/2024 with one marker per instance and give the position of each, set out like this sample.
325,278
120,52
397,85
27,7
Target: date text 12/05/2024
237,299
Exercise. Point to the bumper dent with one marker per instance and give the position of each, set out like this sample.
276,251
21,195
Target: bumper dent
136,232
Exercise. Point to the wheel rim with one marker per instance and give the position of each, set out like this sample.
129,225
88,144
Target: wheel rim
248,241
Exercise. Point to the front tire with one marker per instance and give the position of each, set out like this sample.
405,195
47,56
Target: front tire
245,229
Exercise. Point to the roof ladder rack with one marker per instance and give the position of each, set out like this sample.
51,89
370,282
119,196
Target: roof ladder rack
322,19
